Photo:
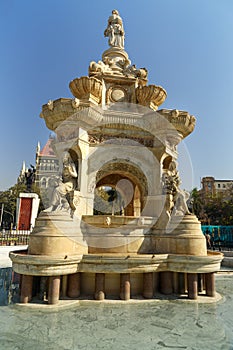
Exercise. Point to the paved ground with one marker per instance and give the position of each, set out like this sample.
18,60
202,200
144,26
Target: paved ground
4,254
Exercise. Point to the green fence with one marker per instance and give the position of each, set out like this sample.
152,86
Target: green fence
220,235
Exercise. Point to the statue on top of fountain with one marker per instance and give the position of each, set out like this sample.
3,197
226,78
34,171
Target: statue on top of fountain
115,30
115,60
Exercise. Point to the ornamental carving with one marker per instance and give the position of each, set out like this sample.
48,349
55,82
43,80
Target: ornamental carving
86,88
151,96
131,171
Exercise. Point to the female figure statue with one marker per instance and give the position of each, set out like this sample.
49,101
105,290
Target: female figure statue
62,197
115,30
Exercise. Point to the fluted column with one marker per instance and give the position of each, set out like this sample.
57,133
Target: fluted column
125,286
73,288
26,289
210,284
99,286
192,285
54,289
148,291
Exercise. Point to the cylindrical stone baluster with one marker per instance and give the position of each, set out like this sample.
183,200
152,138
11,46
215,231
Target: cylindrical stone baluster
148,290
210,284
175,282
64,281
192,285
166,282
26,289
200,282
125,286
156,282
99,286
54,290
43,287
182,284
73,285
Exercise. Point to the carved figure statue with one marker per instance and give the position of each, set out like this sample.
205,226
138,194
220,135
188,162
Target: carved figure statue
180,199
63,193
30,178
170,179
115,30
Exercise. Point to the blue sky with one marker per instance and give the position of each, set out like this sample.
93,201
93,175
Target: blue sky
186,45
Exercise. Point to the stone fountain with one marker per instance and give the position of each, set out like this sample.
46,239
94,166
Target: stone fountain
118,226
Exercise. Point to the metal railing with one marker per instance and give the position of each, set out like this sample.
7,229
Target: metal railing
221,237
12,237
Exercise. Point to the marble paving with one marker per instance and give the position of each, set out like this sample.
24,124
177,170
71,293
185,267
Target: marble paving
153,326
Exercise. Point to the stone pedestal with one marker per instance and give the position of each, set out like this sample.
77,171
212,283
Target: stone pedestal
210,284
99,286
26,289
148,285
54,290
166,282
73,285
125,286
192,286
200,282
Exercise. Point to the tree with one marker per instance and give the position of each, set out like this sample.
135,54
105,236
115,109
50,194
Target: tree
214,210
196,202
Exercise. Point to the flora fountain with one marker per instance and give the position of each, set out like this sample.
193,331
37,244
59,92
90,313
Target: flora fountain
118,226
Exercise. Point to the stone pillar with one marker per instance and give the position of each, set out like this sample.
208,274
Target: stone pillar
125,286
175,282
200,282
54,290
99,286
192,285
156,282
64,286
210,284
148,290
166,282
43,287
182,284
26,289
73,285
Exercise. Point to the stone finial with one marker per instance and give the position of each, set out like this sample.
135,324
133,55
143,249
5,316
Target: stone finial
115,31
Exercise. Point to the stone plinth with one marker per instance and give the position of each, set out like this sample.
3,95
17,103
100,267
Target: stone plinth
182,236
56,234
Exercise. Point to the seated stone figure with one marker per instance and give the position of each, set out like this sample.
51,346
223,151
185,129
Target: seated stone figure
63,193
180,198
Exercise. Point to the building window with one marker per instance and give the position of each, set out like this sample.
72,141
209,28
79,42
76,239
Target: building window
219,186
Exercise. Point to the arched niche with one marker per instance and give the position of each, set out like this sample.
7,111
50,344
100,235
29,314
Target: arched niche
76,156
166,162
123,189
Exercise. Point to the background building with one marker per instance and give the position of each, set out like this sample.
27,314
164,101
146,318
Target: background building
47,164
212,188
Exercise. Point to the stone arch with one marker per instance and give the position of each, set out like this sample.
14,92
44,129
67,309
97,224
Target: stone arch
166,162
76,156
128,181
